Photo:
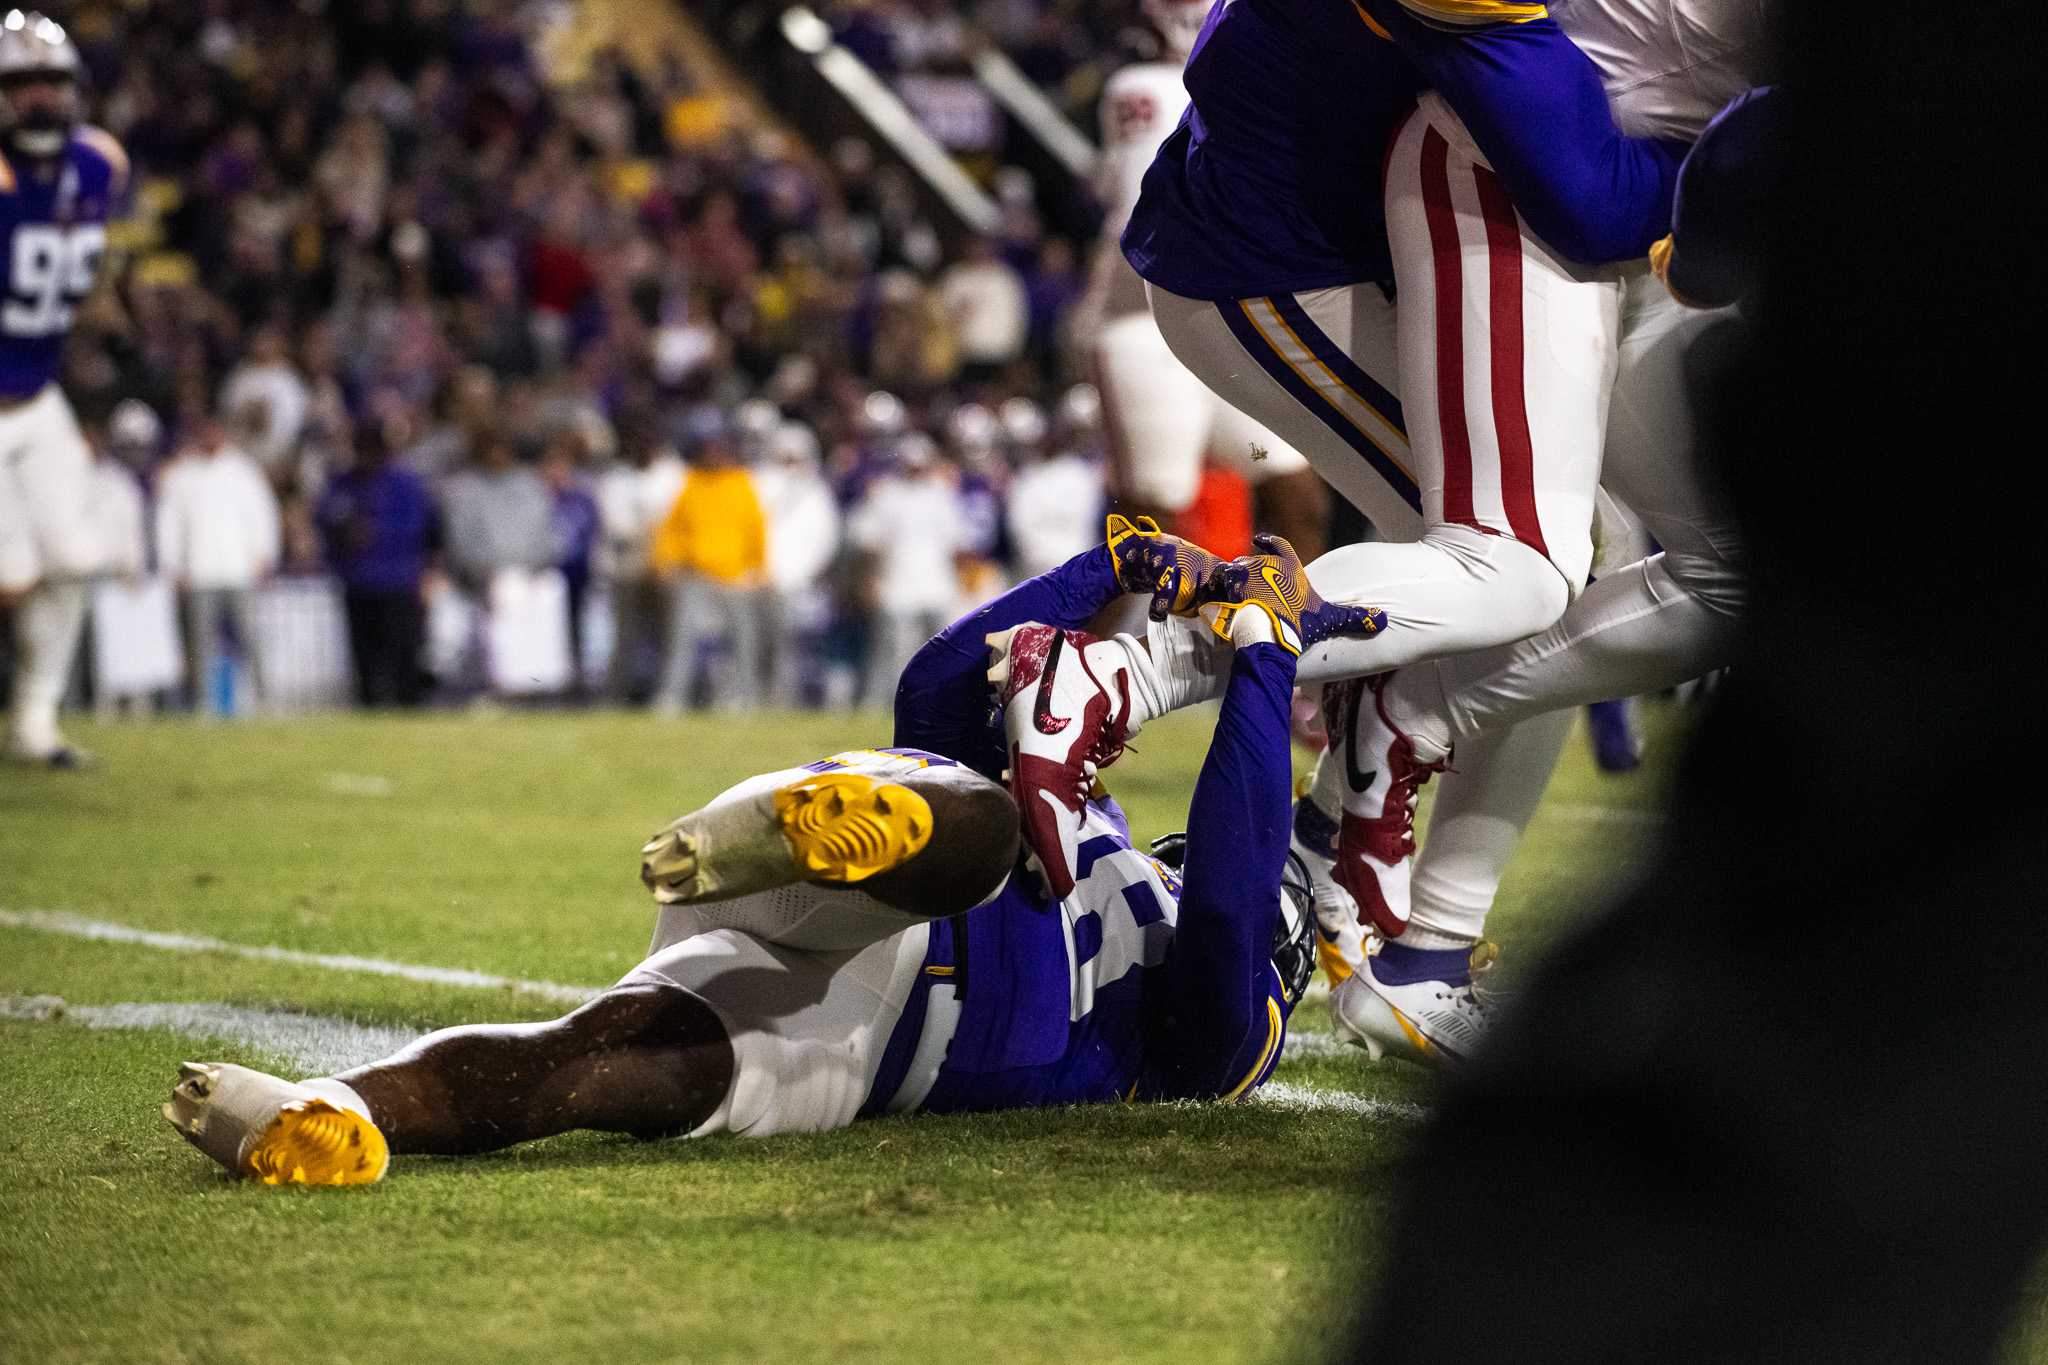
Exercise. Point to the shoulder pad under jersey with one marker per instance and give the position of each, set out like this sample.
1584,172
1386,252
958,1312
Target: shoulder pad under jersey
104,145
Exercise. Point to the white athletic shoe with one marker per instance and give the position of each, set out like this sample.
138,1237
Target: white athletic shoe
276,1131
1066,713
1437,1022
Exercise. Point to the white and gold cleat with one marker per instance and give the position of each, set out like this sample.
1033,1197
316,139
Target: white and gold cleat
274,1131
1438,1020
836,827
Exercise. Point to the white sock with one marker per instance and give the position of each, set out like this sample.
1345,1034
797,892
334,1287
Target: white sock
1122,653
1481,810
1186,662
1424,937
339,1095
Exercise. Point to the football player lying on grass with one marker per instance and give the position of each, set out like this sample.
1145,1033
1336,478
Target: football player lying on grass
862,935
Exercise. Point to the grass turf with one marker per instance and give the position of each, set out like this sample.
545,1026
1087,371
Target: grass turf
510,846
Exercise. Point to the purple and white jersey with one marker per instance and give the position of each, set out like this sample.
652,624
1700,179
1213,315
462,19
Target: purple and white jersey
53,236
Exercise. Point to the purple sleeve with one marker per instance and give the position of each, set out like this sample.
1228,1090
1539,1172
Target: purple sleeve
942,699
1209,1025
1536,106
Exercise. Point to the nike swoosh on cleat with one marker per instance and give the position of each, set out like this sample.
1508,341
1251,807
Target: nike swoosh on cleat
1042,717
1360,782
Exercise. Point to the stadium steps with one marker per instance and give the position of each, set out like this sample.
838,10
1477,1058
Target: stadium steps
647,34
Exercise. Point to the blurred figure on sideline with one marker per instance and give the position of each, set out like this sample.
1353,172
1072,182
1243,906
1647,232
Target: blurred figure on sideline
381,531
633,498
1056,502
574,522
803,540
712,551
990,311
121,461
911,581
267,399
498,513
123,453
218,533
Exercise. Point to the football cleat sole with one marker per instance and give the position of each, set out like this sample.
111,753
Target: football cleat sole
305,1141
839,828
847,827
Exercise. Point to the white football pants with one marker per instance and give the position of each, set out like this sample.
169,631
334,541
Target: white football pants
1162,420
48,543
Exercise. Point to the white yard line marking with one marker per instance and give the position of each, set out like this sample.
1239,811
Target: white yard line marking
315,1045
1318,1045
107,931
1282,1095
359,784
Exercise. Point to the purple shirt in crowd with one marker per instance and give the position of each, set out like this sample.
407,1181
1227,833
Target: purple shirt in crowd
379,526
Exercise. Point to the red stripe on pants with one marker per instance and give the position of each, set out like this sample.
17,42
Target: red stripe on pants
1510,406
1450,327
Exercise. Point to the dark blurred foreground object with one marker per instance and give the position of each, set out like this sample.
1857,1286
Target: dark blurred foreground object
1787,1102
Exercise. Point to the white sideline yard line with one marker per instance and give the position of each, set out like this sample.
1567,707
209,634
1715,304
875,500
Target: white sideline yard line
107,931
1282,1095
1317,1046
314,1044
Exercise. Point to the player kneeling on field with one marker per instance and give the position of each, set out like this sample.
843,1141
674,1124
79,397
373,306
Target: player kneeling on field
864,935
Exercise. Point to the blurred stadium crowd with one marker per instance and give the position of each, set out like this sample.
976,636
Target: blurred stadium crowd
581,385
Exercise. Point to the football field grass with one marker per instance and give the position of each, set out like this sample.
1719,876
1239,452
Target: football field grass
267,892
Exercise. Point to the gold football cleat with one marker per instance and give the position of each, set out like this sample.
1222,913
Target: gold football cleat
841,827
272,1131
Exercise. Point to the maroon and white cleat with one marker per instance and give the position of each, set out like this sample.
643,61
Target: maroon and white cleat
1066,706
1383,779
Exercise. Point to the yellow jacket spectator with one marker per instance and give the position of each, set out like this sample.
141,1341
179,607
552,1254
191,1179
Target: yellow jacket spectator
713,548
715,527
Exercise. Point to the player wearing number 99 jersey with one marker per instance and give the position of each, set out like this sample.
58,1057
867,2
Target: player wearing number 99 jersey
60,180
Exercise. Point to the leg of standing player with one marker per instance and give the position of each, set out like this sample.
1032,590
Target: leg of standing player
48,549
1648,625
1305,365
1653,624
